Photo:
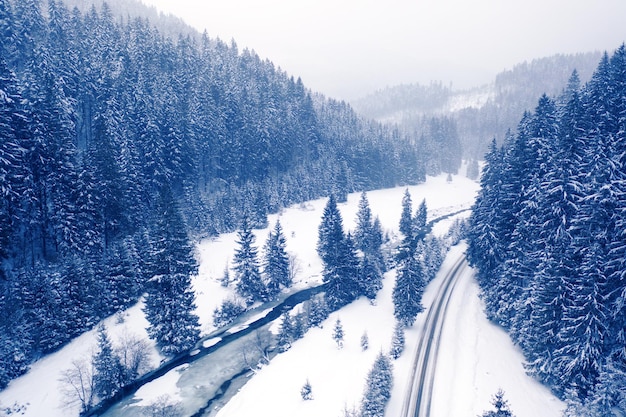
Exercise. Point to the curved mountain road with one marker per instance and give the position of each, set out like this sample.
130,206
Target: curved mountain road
418,398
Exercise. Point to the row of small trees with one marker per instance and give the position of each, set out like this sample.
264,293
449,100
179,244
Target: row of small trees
292,328
255,280
251,284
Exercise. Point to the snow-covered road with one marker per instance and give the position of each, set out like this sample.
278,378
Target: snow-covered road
477,357
422,380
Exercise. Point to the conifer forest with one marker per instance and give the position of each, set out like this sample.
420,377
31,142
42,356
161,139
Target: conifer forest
125,143
547,236
121,145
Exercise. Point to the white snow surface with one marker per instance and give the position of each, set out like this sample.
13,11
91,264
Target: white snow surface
475,360
476,357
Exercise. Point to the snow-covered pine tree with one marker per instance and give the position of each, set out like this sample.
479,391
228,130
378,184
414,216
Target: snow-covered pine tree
108,370
306,392
406,218
229,310
122,284
433,249
299,325
377,388
501,406
363,233
365,342
377,243
285,334
331,235
486,235
577,362
338,334
225,279
318,311
249,284
276,262
368,239
370,277
397,341
408,290
12,153
412,227
169,305
339,256
419,221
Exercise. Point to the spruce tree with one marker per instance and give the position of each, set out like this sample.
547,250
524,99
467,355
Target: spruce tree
420,221
501,406
368,239
169,303
318,311
397,341
340,259
276,262
285,334
377,388
331,235
306,392
370,277
299,325
377,243
406,218
245,262
365,343
363,234
108,370
338,334
408,290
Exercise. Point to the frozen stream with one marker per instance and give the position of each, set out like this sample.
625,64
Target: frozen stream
203,380
221,362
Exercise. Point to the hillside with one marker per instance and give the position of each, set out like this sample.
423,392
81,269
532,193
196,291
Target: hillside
481,113
121,145
547,238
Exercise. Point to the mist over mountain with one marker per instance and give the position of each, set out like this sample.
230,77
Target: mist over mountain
481,113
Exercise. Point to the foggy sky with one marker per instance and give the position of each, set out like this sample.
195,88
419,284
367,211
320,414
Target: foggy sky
348,48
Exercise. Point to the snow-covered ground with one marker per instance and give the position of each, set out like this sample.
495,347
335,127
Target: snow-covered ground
480,360
476,358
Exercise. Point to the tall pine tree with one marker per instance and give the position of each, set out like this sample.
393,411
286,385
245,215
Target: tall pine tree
246,264
276,262
169,304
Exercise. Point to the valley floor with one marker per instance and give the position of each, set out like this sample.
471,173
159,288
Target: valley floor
476,357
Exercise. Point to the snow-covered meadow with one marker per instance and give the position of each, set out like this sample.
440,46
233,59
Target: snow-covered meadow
476,357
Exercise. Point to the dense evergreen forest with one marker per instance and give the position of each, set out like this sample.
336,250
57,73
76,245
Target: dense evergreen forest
119,145
547,235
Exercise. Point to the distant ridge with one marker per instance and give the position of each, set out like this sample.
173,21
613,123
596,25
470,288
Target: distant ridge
483,112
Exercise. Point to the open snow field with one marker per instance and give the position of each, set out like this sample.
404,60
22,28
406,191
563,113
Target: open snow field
479,357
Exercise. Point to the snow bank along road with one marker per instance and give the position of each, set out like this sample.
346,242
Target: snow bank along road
420,390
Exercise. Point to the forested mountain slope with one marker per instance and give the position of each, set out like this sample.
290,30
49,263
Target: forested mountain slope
481,113
118,143
547,235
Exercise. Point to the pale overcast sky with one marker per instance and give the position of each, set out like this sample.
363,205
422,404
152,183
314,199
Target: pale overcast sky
349,48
